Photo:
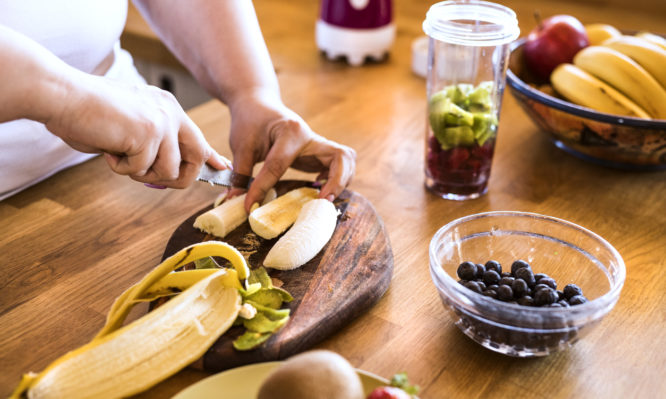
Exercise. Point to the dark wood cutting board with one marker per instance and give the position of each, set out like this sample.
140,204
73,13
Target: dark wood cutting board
347,277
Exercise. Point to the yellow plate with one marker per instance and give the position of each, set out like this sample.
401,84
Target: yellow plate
244,383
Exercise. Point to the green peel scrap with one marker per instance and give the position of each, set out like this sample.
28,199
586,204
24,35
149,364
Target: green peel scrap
267,300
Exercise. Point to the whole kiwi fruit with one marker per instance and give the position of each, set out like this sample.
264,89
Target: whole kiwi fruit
317,374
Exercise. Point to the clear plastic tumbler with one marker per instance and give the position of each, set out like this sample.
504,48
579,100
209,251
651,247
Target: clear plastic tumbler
467,60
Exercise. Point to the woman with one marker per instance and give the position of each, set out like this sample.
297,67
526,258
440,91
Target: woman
65,79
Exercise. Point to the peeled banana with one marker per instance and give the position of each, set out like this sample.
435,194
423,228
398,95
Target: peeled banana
598,33
626,76
140,354
270,220
648,55
581,88
303,241
224,218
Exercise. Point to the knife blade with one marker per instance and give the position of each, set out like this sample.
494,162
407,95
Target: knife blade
226,177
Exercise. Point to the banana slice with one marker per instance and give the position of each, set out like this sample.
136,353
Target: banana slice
270,220
225,217
311,231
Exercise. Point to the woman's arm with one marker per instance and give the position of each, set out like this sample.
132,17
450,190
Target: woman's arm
220,42
142,130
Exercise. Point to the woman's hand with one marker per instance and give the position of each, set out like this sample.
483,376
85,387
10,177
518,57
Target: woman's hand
142,131
232,62
263,129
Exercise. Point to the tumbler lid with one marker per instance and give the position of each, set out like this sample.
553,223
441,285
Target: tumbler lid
471,23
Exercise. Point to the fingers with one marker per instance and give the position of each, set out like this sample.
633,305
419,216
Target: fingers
136,161
191,153
286,148
244,161
340,170
218,161
167,162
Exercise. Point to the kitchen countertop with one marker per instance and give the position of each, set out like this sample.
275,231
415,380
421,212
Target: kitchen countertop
73,243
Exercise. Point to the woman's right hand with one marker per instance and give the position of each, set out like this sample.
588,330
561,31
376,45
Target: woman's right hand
142,131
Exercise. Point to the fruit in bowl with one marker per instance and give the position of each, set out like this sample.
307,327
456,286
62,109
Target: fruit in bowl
591,118
554,41
527,300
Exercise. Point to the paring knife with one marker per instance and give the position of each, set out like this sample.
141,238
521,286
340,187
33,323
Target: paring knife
226,177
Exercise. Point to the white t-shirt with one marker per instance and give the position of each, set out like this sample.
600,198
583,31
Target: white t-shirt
80,32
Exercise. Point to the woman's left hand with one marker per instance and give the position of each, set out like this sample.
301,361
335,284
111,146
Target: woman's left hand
264,129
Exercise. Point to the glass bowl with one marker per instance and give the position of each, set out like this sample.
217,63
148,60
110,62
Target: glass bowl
610,140
564,251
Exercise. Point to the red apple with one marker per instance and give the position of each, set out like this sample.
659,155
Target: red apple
554,41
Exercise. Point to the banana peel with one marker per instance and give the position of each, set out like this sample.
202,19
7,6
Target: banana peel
123,304
124,360
140,354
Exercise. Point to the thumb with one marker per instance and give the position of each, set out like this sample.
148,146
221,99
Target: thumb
244,164
218,161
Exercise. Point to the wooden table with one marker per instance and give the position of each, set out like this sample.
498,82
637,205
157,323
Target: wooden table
71,244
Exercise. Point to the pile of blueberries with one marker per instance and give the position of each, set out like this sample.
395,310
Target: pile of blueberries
521,285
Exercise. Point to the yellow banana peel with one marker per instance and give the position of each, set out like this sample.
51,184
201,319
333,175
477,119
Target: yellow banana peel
124,360
123,304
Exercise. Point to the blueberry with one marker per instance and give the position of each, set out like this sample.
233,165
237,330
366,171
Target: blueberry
539,276
480,269
526,274
506,281
491,277
473,285
504,293
467,271
493,287
545,296
490,293
482,285
577,300
548,281
564,303
519,264
540,286
571,290
494,265
506,274
519,287
526,300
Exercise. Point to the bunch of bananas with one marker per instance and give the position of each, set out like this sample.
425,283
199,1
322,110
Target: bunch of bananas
617,74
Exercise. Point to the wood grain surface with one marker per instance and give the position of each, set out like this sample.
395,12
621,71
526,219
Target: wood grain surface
74,242
347,277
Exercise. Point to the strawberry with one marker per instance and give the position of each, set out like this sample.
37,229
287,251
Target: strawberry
388,393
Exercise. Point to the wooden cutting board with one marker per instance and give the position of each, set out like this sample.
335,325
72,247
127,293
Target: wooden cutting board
347,277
